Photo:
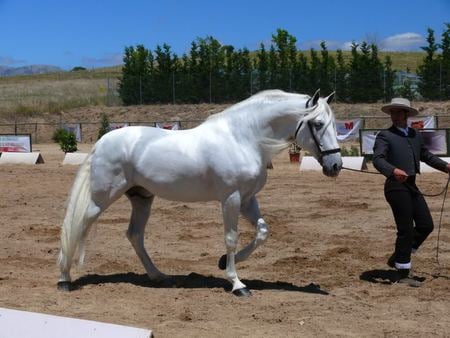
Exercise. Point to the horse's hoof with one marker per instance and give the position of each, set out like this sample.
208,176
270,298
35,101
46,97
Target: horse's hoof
65,286
244,292
223,262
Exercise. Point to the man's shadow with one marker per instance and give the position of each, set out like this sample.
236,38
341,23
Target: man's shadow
191,281
379,276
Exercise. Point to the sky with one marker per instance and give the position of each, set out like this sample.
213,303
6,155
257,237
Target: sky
94,33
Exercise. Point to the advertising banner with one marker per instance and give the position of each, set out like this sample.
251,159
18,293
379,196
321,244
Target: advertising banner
74,128
348,129
435,140
168,125
115,125
424,122
15,143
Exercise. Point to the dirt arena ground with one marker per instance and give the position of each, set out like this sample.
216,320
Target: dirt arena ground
321,273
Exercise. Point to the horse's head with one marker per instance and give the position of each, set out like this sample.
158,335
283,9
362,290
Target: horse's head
316,132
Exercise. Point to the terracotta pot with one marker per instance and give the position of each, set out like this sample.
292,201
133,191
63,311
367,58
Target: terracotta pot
294,157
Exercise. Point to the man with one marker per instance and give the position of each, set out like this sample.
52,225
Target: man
397,154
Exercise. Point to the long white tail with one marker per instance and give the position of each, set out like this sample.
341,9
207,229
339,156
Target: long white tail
74,228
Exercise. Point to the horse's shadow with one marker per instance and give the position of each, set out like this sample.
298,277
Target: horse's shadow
191,281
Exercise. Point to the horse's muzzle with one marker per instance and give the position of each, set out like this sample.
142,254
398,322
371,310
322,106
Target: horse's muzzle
331,164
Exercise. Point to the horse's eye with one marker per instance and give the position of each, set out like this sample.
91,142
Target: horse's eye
318,125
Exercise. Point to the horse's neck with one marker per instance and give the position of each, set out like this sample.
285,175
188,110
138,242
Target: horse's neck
279,123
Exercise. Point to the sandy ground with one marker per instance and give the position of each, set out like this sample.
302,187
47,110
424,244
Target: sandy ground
321,273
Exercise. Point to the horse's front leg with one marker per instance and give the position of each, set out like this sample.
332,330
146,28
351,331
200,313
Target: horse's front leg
230,210
250,210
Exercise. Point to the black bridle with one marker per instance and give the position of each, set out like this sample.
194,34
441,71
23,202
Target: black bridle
317,142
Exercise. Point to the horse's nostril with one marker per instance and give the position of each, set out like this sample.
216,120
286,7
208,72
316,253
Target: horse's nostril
335,167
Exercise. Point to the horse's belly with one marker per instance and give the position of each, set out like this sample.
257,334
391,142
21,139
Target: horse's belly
186,190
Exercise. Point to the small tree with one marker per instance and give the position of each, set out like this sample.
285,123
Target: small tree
104,127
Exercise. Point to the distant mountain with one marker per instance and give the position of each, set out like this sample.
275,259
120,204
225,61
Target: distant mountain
28,70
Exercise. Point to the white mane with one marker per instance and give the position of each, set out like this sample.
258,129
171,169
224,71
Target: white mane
247,117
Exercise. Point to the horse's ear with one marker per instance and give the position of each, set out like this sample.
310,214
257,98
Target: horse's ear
314,99
330,97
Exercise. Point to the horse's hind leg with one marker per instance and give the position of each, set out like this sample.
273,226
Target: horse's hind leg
250,210
141,201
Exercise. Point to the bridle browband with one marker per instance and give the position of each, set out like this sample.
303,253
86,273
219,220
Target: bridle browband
314,136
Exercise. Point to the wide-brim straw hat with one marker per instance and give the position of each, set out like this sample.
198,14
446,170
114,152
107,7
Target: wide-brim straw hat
400,103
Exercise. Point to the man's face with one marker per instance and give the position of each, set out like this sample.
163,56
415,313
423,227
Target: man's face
399,117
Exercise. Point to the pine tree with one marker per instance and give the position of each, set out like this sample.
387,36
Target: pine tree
445,63
429,70
301,75
314,72
389,77
287,53
262,67
273,68
164,74
327,71
136,73
341,77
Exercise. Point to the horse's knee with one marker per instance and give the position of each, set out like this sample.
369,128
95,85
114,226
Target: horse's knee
231,239
262,231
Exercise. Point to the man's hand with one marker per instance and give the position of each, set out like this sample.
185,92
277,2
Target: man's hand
400,175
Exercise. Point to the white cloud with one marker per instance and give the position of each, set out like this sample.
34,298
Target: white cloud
398,42
330,44
403,42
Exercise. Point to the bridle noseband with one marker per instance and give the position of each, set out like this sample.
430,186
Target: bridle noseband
316,140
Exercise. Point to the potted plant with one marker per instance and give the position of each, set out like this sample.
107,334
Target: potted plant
294,152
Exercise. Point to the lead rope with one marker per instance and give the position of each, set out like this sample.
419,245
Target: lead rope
444,191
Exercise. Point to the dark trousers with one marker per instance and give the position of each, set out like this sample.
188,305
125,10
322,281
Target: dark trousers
412,217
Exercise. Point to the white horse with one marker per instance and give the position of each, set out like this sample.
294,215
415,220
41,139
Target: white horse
223,159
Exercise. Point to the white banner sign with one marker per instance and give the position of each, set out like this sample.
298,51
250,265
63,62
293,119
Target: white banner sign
424,122
168,125
348,129
367,141
74,128
15,143
434,139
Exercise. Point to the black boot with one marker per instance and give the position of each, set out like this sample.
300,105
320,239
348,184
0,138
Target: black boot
404,277
391,261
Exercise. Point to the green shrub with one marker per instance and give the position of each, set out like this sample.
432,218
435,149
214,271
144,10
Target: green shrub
352,151
59,134
66,140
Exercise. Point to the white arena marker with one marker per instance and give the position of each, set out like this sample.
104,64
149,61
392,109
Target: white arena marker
309,163
425,168
354,162
74,158
21,158
18,324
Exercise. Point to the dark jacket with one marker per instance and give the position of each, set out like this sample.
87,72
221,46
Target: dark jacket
393,149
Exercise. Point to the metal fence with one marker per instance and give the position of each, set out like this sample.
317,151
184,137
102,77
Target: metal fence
43,132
